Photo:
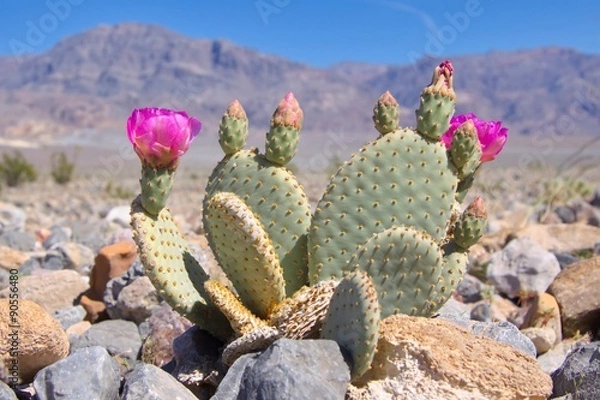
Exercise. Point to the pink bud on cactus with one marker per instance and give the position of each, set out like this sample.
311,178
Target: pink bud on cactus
288,113
160,136
446,69
477,208
492,135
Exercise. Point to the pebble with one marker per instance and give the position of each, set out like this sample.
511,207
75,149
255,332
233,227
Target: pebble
543,338
120,215
136,301
12,218
89,373
481,312
16,240
522,267
504,332
120,338
58,234
469,289
580,373
53,261
69,316
149,382
76,256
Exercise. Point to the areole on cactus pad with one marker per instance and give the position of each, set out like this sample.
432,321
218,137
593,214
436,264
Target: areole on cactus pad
387,235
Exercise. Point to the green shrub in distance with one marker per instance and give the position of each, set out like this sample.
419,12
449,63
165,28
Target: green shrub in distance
62,168
16,170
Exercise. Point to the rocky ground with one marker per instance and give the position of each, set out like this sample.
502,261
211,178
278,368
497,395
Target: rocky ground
524,322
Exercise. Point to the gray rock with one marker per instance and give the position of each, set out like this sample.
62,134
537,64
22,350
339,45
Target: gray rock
12,218
580,373
21,241
297,369
149,382
120,338
229,388
6,393
566,214
522,267
136,301
88,373
482,313
120,215
454,311
92,234
196,358
58,235
29,266
76,256
4,279
469,289
565,259
504,332
53,261
70,316
114,286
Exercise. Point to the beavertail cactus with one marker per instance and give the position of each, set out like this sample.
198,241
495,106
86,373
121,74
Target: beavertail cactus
387,236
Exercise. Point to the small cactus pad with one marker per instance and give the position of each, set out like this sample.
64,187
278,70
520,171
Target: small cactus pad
241,319
405,266
471,225
301,316
256,340
399,179
233,130
156,185
175,273
352,320
276,199
245,253
465,149
386,114
453,269
437,103
284,134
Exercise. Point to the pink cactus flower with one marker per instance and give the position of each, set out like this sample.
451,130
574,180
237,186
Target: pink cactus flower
160,136
492,135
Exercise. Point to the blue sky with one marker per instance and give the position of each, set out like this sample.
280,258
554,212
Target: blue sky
322,32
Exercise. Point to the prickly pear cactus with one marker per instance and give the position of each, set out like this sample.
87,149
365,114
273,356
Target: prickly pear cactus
391,208
269,191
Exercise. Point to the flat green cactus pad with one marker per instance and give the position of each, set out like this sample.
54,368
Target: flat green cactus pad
278,202
405,266
399,179
352,320
173,270
245,253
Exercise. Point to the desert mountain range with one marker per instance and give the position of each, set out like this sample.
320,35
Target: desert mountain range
88,83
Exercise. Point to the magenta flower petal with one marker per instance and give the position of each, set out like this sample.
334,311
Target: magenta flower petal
492,136
160,136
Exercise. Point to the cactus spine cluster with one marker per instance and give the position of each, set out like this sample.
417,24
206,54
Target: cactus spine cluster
386,237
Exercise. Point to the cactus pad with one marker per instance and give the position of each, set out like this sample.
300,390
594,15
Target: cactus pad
245,253
276,199
405,266
175,273
399,179
352,320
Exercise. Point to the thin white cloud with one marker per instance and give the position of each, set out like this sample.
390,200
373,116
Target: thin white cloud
425,18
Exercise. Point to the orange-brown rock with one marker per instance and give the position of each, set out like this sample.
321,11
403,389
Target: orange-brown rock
41,339
421,358
544,312
95,309
111,262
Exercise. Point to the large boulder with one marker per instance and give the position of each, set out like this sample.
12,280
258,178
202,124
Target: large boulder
422,358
